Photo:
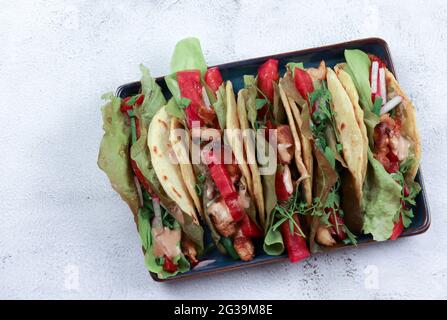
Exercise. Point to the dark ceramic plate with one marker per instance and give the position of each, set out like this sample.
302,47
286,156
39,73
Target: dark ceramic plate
235,71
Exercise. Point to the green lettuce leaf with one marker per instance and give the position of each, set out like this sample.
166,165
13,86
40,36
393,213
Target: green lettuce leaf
113,156
358,66
173,109
273,242
250,103
153,97
292,65
220,106
154,266
381,200
188,55
144,227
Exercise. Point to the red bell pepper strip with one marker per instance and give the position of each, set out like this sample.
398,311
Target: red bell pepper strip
267,74
280,185
222,179
213,78
191,88
397,229
168,265
304,84
336,220
249,228
295,244
224,184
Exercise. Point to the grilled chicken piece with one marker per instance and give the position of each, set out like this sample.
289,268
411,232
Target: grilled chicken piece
286,147
318,73
324,236
222,219
244,246
189,250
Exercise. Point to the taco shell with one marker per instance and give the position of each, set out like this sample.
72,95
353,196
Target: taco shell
163,161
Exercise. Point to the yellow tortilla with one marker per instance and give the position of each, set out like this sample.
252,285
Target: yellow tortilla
167,171
181,152
349,86
295,100
407,113
298,153
234,136
251,156
349,132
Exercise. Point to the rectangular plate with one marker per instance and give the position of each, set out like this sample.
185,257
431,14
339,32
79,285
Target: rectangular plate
235,71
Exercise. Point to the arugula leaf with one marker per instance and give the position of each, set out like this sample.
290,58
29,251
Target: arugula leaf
198,189
260,103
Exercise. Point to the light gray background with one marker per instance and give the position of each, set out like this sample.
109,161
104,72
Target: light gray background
58,213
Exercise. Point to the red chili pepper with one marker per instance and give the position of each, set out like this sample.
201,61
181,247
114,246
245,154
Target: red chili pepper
303,83
336,220
213,78
267,74
398,229
295,244
249,228
280,184
168,265
191,88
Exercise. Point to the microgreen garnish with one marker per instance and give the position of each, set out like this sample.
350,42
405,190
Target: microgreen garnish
284,212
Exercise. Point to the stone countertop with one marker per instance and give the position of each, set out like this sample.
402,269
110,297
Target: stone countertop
64,233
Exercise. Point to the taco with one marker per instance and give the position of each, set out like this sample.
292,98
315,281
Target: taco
327,119
134,154
394,146
260,107
204,105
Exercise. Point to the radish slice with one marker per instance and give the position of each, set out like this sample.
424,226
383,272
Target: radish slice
374,71
287,178
382,85
139,191
390,105
158,224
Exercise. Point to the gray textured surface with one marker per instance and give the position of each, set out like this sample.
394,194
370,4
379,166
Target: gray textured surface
58,211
